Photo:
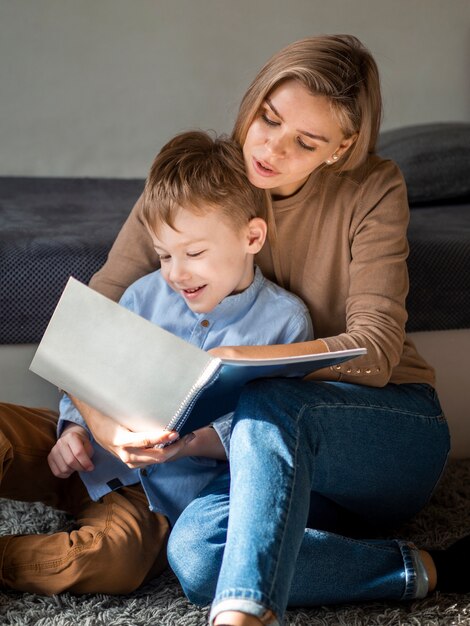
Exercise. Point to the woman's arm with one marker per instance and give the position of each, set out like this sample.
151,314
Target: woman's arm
315,346
375,305
131,257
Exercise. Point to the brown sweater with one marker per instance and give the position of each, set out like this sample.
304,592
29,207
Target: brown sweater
342,247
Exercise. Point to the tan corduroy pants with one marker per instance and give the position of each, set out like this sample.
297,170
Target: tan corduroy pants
115,544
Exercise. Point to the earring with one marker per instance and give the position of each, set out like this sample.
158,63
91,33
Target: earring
335,157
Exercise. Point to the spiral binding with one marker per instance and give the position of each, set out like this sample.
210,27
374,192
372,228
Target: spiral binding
193,394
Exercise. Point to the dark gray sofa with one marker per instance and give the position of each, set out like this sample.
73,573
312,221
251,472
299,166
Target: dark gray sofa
51,228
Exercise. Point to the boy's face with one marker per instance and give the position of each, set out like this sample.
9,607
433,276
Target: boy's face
205,258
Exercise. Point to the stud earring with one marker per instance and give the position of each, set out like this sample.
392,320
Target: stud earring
335,157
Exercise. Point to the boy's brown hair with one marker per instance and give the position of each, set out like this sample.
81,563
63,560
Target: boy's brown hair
197,172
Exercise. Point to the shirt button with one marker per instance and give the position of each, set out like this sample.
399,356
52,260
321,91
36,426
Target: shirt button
144,472
205,323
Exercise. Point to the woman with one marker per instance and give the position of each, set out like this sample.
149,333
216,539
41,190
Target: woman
316,465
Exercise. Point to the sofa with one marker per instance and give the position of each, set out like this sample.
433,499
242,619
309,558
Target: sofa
51,228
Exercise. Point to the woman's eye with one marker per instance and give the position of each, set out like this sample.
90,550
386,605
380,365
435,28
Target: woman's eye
268,120
305,146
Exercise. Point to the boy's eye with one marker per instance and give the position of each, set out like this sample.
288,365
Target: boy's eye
195,254
268,120
164,257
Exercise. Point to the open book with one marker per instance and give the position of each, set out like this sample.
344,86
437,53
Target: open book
142,375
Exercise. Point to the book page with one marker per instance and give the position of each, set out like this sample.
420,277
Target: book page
118,362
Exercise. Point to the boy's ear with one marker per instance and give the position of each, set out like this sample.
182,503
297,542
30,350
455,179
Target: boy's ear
257,231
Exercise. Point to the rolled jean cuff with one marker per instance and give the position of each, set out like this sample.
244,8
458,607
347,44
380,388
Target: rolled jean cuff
416,576
244,605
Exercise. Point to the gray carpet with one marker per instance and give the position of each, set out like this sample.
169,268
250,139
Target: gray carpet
162,603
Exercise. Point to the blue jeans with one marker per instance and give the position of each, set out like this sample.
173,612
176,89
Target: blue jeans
315,468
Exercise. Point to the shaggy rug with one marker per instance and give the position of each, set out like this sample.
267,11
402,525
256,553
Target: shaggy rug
162,603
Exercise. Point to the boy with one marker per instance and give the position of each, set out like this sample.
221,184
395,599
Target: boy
204,220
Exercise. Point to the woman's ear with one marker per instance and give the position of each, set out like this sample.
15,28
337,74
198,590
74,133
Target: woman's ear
345,145
257,231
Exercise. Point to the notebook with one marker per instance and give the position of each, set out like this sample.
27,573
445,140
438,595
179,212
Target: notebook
143,376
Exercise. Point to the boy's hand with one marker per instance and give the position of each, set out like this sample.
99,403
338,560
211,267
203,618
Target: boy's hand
134,449
145,448
71,453
139,451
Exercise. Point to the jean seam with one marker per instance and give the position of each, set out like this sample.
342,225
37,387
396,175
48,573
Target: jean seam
367,544
438,417
286,514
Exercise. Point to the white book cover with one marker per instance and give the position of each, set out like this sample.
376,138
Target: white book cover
142,375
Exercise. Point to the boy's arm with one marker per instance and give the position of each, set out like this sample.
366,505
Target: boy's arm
131,256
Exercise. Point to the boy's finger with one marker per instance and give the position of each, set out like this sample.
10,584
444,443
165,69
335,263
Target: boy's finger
79,455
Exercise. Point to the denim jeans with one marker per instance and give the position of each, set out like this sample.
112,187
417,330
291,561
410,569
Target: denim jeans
316,468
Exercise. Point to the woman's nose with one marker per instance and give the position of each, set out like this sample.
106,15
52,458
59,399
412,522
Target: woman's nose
277,145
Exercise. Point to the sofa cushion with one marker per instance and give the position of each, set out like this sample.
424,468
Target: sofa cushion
50,229
53,228
434,159
439,267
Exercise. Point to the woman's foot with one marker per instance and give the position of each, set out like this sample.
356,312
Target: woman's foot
235,618
453,567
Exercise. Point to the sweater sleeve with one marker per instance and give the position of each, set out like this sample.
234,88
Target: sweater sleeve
131,256
378,280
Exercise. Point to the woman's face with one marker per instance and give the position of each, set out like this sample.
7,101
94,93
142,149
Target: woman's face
292,134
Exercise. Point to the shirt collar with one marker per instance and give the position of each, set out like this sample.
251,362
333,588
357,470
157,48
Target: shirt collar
237,303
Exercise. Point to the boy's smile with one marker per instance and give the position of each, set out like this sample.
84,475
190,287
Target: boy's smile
205,257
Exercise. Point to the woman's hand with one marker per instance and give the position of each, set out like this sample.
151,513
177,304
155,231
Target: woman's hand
71,453
202,442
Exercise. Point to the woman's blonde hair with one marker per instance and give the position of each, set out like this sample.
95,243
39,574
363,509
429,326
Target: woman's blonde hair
338,67
198,172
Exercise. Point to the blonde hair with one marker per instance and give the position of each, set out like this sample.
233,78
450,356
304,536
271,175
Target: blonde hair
338,67
197,172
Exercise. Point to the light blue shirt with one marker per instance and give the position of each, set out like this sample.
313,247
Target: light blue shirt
263,314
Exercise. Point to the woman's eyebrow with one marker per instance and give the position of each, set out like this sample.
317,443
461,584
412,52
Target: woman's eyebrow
302,132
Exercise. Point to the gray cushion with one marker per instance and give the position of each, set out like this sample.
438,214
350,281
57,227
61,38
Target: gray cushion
434,159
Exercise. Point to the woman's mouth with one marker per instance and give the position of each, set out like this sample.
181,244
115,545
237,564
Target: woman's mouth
264,169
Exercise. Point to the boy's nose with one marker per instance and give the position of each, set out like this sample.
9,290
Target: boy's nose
178,272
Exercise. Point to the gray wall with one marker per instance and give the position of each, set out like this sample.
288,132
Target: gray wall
94,87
